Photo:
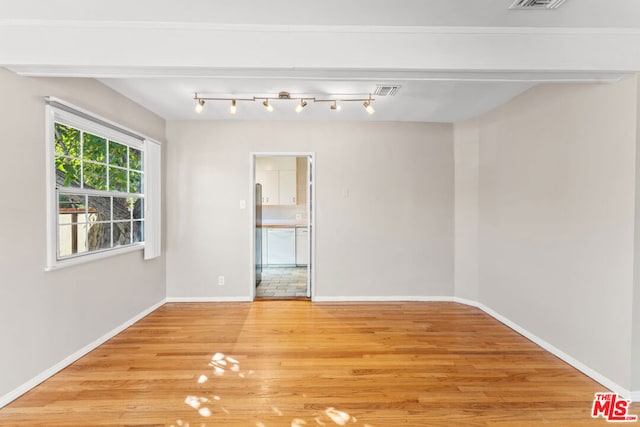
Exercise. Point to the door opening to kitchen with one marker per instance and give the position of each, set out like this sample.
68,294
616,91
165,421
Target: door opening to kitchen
283,225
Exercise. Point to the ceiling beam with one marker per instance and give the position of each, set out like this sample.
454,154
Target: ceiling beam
106,49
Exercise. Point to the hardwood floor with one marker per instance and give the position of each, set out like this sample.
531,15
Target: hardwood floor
298,364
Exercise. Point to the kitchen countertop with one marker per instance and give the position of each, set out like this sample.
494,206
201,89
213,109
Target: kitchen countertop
282,224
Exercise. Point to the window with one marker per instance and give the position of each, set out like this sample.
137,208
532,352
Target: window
96,187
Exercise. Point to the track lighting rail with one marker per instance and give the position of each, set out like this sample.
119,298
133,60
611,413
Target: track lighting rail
303,101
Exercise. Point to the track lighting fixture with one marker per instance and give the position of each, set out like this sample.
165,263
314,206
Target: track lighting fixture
301,106
368,107
286,96
199,106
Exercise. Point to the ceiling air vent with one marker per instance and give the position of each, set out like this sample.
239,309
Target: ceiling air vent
385,90
536,4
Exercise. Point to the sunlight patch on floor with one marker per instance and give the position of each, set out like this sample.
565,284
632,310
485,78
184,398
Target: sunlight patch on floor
222,364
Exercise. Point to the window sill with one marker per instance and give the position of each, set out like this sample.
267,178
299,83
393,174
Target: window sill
83,259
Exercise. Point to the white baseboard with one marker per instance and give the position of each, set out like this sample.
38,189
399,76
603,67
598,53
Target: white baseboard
382,298
596,376
208,299
465,301
14,394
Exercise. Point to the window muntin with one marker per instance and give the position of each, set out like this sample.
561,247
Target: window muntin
99,190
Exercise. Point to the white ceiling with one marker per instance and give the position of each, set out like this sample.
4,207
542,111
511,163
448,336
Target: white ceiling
454,59
450,13
436,101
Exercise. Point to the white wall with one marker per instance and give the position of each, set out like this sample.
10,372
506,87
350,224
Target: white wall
384,212
556,219
466,146
635,354
47,316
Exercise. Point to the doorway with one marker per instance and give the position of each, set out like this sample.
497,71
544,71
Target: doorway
282,225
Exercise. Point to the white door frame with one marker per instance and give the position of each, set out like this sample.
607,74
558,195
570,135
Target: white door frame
311,223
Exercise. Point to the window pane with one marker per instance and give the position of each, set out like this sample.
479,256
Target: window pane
99,236
138,231
72,239
135,182
94,148
121,233
118,179
95,176
67,172
138,206
67,140
99,208
122,208
117,154
99,182
71,209
135,159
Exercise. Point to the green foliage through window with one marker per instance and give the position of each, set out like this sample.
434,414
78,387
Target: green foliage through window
94,148
109,212
117,154
84,160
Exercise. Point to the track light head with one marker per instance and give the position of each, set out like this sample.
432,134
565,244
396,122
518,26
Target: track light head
268,106
199,106
368,107
335,106
301,106
233,108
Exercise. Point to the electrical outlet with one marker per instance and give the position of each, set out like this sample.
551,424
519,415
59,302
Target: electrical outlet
220,280
298,217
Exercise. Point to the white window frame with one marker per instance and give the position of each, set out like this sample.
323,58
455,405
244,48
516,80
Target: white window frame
58,111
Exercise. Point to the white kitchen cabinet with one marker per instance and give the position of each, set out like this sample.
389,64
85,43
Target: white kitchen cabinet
278,178
302,246
270,186
287,187
281,246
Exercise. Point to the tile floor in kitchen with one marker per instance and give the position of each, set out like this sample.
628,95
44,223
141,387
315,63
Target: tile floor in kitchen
283,282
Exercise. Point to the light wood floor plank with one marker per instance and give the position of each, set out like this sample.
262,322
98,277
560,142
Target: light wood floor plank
298,364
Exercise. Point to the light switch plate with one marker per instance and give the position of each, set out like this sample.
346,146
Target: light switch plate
243,204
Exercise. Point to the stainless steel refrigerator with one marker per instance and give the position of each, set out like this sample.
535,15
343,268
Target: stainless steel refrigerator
258,234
